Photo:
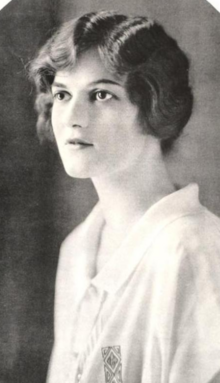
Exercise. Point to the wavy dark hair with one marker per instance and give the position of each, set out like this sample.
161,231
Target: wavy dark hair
156,69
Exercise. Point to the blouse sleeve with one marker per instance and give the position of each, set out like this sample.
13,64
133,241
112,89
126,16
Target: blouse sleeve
197,354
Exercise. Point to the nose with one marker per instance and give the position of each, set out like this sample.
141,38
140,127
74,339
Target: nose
76,114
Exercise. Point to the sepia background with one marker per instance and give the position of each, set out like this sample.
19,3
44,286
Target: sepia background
39,203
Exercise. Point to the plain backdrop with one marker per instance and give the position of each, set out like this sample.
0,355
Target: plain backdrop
39,203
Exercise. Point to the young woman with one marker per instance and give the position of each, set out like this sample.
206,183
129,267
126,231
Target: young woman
138,283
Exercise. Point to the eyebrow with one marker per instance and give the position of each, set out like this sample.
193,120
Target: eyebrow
101,81
105,81
59,85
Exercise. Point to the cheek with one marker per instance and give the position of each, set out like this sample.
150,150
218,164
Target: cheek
53,117
107,120
55,120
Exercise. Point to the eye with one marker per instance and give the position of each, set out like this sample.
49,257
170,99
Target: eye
102,95
61,96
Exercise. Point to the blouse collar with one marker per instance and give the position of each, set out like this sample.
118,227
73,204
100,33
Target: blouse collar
120,266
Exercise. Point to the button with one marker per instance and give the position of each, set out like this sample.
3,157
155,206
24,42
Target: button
79,377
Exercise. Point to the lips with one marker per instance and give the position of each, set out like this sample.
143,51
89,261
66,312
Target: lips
78,142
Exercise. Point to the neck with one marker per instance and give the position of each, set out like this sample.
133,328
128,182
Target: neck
125,196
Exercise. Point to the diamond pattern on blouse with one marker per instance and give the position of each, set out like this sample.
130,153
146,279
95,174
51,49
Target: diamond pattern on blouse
112,364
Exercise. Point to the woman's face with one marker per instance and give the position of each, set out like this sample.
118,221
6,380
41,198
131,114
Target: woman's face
96,127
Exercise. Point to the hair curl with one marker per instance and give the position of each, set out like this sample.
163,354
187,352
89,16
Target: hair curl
156,69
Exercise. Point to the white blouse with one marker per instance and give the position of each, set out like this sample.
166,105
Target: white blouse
152,314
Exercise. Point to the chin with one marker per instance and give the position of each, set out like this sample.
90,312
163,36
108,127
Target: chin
79,172
86,169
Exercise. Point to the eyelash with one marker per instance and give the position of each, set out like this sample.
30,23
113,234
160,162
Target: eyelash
93,96
63,93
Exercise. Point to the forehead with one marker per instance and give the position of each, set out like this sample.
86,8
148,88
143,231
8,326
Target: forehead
88,68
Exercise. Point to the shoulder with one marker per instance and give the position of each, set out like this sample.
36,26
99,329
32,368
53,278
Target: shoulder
69,259
79,242
191,245
195,231
73,241
193,235
184,226
78,234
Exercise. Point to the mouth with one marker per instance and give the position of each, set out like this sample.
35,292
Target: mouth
78,143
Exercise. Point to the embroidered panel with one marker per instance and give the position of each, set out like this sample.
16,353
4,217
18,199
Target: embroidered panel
112,364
